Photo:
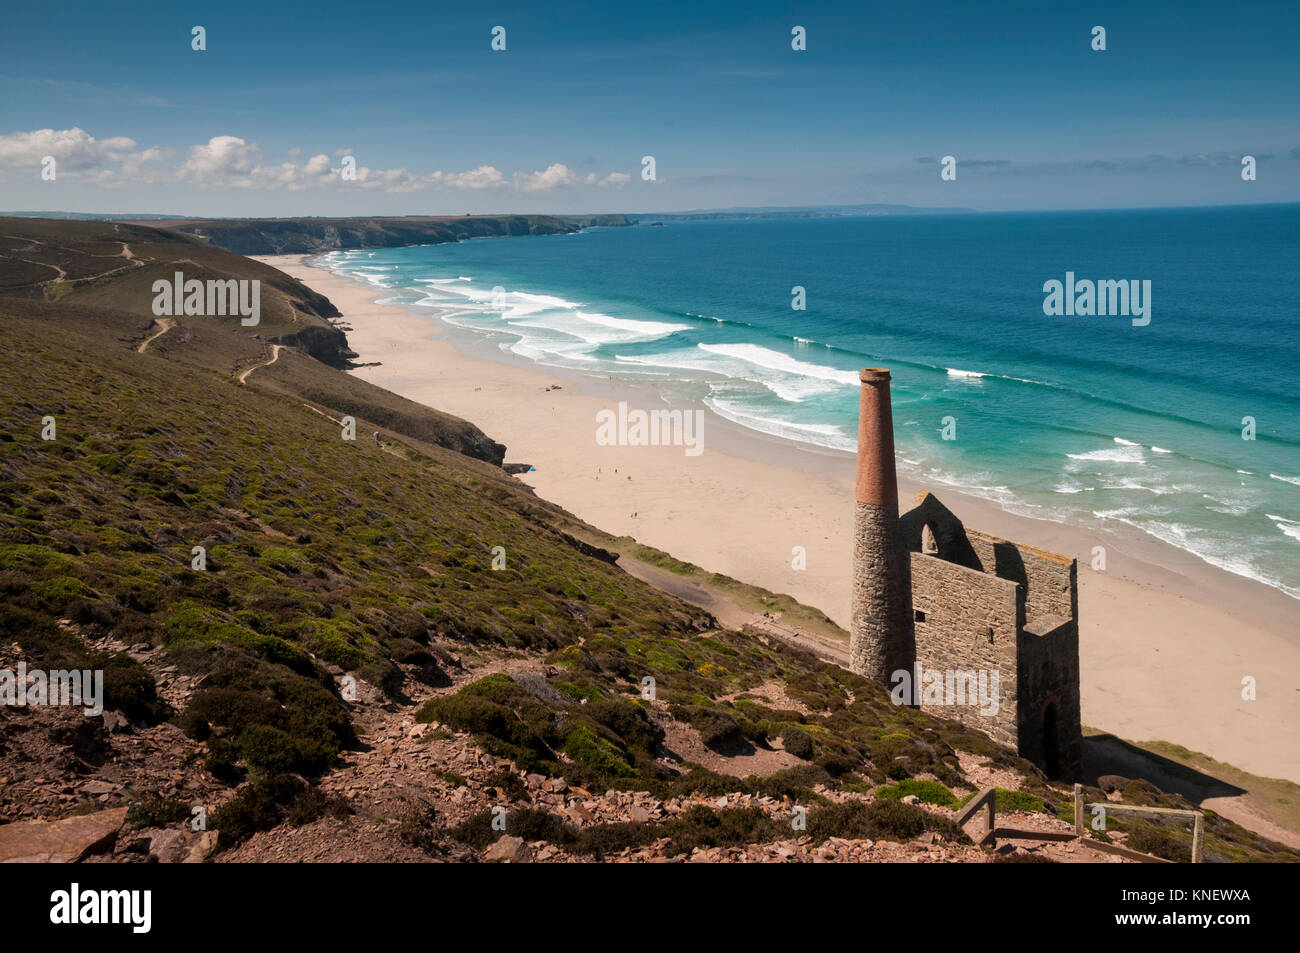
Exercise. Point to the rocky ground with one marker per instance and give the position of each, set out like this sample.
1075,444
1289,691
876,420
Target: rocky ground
67,782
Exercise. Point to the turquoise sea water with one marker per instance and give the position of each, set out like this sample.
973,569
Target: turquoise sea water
1087,420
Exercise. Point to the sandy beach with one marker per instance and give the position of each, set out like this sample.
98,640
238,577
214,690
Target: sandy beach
1165,639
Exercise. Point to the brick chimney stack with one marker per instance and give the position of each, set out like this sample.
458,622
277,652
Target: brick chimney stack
882,638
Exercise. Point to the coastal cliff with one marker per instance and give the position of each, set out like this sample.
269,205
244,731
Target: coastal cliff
296,236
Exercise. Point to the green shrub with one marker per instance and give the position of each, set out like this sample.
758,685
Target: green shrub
795,783
629,721
1017,801
880,820
585,747
130,689
509,782
229,708
717,729
931,792
301,734
128,686
257,807
268,802
602,839
798,742
698,826
418,828
59,593
267,749
531,825
1151,839
155,811
485,718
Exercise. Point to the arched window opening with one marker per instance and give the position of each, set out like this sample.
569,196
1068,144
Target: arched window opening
929,545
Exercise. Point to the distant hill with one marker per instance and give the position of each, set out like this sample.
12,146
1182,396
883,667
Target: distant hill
94,216
286,236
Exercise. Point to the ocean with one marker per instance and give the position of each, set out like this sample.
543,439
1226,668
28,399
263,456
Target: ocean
1085,419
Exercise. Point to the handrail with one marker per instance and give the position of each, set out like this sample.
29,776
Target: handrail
1115,807
986,798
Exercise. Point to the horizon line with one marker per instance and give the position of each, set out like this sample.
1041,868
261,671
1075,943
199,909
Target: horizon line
737,210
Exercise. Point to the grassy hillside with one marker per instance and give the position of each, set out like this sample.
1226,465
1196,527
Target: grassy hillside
329,560
114,265
101,276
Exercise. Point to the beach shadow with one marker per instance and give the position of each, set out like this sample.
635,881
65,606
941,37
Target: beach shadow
1107,754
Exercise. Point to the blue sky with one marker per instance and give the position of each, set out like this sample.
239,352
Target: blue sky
440,123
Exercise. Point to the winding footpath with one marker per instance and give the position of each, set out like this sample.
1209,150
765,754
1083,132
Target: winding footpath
275,356
164,325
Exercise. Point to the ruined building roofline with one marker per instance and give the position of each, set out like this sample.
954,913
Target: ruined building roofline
922,496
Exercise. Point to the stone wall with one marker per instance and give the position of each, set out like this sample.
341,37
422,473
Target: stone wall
970,622
1049,678
1048,578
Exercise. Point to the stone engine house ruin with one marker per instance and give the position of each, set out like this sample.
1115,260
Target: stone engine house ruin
928,591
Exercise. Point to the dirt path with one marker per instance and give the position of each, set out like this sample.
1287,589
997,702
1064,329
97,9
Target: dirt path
164,325
723,609
62,276
275,356
733,616
132,262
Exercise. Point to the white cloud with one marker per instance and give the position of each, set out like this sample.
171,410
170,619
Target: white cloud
224,161
554,176
389,180
229,162
106,162
484,177
74,148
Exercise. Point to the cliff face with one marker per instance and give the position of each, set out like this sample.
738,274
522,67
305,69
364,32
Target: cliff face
327,345
293,236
